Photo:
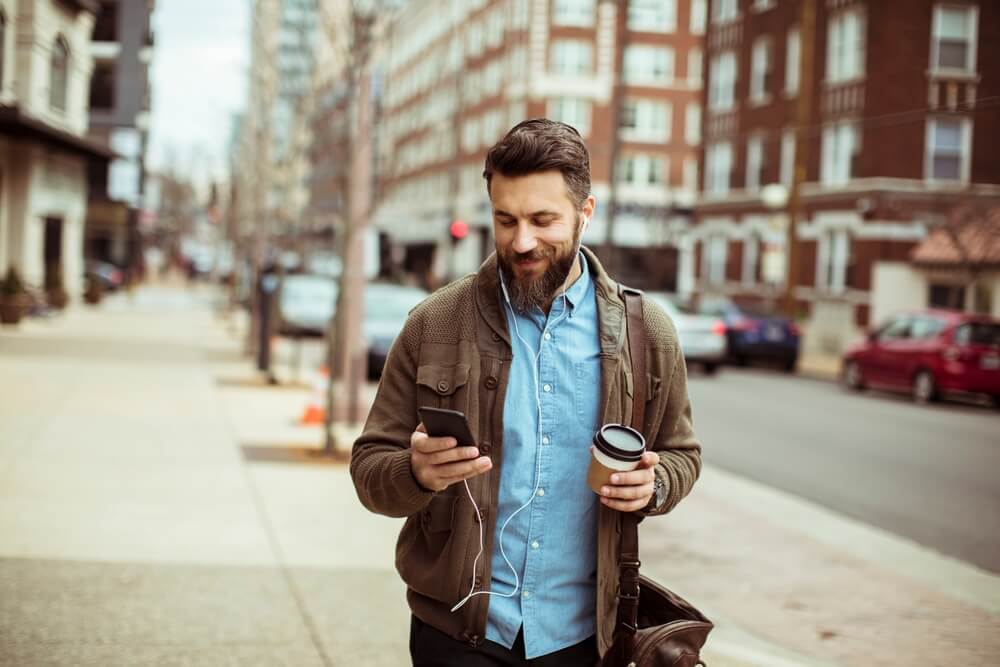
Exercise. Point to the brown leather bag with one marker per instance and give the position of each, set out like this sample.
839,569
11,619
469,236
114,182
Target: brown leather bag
654,627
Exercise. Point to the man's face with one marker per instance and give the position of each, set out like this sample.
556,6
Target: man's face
537,230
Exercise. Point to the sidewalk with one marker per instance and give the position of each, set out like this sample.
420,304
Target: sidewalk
158,505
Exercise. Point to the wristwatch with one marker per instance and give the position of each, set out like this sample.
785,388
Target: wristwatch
659,495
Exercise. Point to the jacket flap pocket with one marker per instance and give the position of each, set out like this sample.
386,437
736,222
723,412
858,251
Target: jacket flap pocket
438,515
443,380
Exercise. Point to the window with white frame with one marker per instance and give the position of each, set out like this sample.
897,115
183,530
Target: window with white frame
763,5
793,49
718,251
690,174
718,166
845,46
787,157
652,15
573,12
646,120
520,14
840,145
470,135
751,252
692,124
59,74
954,38
760,70
722,82
494,28
571,57
948,149
649,64
833,250
755,161
724,11
573,111
694,71
3,44
699,12
642,169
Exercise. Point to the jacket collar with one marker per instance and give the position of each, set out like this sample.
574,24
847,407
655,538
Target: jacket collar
610,307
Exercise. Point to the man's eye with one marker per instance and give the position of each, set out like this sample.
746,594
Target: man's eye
506,222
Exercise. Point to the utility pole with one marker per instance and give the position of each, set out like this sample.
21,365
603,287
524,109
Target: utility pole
803,119
617,111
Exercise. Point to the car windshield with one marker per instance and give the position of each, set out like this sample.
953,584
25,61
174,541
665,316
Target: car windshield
978,333
308,290
389,304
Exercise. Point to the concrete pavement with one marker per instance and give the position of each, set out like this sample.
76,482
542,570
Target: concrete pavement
158,505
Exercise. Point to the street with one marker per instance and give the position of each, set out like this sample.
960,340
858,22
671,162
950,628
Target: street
161,504
928,473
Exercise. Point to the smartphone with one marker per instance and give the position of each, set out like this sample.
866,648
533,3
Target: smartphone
441,423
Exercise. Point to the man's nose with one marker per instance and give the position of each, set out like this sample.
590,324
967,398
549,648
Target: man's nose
524,239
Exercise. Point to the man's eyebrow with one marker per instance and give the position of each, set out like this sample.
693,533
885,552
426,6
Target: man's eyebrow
536,214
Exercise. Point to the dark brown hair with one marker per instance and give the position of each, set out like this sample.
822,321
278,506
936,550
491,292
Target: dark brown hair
538,145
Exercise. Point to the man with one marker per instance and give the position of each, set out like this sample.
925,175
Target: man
508,556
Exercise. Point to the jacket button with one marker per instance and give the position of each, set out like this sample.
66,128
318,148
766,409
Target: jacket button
482,517
443,386
495,337
491,382
486,448
477,583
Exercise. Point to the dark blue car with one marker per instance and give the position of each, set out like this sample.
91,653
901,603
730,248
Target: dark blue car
755,334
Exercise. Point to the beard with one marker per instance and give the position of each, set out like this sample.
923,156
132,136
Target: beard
531,292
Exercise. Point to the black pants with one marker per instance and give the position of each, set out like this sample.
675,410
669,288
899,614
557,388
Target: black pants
432,648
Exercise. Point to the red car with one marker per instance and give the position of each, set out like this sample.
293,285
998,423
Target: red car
929,354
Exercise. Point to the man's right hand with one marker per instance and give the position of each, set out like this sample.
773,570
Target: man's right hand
438,462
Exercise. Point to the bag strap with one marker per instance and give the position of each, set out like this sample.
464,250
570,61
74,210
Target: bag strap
628,544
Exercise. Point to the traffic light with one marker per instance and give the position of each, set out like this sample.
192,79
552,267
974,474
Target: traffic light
459,230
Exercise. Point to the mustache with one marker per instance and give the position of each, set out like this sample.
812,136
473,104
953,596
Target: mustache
532,255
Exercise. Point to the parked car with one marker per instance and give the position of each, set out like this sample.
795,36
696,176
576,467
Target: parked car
703,337
929,354
306,304
386,309
109,275
755,334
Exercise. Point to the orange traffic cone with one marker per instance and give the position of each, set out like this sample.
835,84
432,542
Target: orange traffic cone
315,412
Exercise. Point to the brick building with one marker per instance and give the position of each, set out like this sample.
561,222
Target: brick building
904,126
460,74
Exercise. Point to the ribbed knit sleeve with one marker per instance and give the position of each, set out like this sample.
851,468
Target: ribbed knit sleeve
380,459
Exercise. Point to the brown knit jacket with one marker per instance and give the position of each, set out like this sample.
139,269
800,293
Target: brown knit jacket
455,352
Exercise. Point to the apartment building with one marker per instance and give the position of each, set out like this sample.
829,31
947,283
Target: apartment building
45,69
460,74
904,126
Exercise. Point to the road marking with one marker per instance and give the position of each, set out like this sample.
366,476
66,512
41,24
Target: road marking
946,574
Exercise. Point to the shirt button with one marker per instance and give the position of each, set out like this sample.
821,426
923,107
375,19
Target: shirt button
541,492
548,336
534,545
547,387
545,439
526,594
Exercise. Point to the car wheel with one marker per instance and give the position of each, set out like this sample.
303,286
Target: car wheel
924,387
789,366
741,360
709,368
853,379
996,401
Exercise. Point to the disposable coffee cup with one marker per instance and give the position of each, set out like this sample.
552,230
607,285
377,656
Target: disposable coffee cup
617,448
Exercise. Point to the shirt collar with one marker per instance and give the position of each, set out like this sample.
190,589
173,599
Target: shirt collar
578,290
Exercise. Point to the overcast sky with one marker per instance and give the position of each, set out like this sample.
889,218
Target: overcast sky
199,79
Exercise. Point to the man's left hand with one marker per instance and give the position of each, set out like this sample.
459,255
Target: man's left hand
631,491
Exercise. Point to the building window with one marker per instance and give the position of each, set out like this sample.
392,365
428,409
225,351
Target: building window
751,251
573,12
573,111
787,157
692,124
652,15
3,44
571,57
699,12
718,251
949,142
59,74
724,11
763,5
954,40
760,70
833,255
106,23
646,120
690,174
642,169
694,67
649,64
840,145
755,161
722,82
718,165
102,86
845,47
793,50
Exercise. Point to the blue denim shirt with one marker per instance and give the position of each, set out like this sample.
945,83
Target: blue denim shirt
552,543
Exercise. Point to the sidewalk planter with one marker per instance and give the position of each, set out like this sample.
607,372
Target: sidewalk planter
55,292
93,293
13,298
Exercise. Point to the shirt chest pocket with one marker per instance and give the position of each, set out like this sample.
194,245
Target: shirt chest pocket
442,386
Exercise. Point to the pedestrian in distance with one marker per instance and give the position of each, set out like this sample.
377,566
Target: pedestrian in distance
510,547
